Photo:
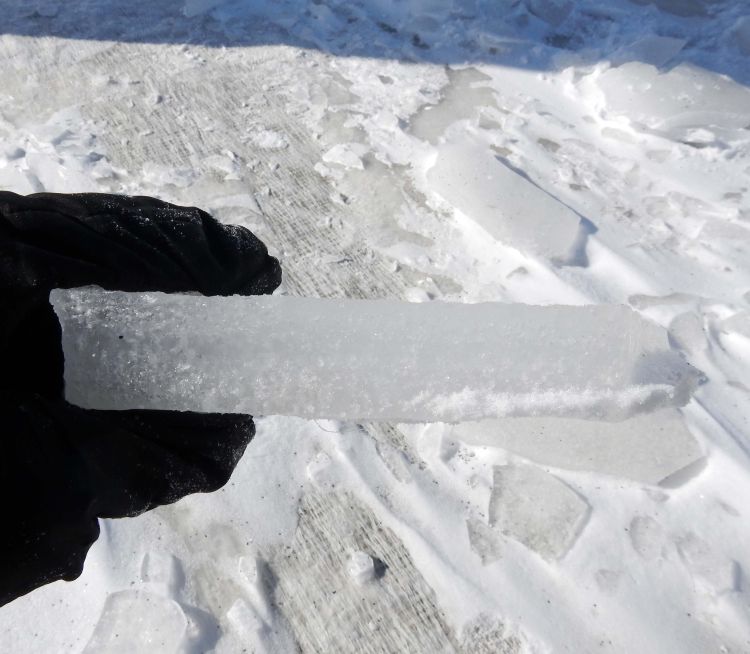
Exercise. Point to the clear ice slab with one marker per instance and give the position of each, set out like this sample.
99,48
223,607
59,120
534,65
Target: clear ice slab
376,360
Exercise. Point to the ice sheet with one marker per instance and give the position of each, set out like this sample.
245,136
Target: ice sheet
363,359
503,201
682,98
537,509
646,448
652,49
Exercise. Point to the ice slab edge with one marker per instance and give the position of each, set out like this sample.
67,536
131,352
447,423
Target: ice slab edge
363,359
507,205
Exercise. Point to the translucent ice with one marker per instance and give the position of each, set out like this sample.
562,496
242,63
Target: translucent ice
506,204
536,509
486,542
685,97
709,567
646,448
363,359
136,621
464,97
653,49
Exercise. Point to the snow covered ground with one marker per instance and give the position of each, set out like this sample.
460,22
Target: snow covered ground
537,151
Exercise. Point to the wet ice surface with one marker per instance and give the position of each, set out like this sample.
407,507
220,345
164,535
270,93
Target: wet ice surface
361,360
317,126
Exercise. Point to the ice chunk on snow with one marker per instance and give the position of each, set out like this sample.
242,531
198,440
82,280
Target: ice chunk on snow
363,359
485,542
348,155
249,625
683,98
267,139
361,567
652,49
711,568
645,448
465,96
135,621
163,571
536,509
511,208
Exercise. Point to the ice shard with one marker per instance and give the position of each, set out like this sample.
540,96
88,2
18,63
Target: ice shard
648,448
504,202
363,359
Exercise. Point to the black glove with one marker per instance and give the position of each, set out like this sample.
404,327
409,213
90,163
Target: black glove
62,467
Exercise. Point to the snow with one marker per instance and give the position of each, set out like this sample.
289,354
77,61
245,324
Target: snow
610,120
363,359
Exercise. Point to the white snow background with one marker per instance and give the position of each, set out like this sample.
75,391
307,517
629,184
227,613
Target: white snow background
536,151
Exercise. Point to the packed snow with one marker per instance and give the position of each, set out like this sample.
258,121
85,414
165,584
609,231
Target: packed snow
607,149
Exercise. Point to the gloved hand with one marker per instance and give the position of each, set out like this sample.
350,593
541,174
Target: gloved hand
62,467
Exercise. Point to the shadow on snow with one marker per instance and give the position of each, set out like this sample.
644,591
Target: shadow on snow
533,34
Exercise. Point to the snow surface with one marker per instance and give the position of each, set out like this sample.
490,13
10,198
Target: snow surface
317,124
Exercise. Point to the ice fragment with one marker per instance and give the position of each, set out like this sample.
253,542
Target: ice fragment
536,509
653,49
510,207
647,448
136,621
363,359
671,103
361,567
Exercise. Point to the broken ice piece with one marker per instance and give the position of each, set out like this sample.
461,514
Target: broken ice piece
672,102
361,567
652,49
505,203
363,359
648,448
536,509
133,620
